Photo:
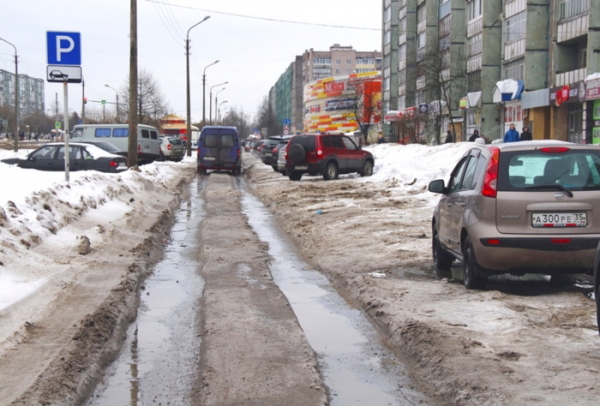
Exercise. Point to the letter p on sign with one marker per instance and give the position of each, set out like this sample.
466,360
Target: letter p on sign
64,48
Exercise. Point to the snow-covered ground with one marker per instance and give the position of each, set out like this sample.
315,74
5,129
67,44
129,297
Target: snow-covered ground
21,186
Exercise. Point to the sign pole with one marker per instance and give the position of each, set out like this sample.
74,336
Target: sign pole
67,149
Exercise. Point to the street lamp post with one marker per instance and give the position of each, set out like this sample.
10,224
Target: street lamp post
187,72
16,136
219,110
210,99
204,92
216,99
117,96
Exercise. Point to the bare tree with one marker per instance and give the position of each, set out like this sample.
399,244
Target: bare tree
266,118
239,120
444,74
151,101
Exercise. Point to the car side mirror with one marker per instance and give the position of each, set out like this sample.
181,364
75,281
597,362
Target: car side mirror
437,186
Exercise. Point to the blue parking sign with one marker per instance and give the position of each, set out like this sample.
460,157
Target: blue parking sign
64,48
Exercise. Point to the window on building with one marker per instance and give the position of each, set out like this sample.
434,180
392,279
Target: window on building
515,70
474,9
337,71
402,52
515,27
387,37
421,13
572,8
338,62
513,114
421,38
474,44
474,81
349,62
387,15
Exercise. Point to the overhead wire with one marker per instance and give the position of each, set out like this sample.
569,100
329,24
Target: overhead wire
276,20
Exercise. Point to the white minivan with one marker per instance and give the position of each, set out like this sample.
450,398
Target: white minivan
118,134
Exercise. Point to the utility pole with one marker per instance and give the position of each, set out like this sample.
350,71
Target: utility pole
132,156
83,101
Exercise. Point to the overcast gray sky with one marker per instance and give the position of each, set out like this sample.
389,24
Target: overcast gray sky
254,41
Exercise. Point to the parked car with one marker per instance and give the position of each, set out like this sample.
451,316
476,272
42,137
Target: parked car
219,148
517,208
105,145
256,147
171,148
51,157
278,163
267,152
327,155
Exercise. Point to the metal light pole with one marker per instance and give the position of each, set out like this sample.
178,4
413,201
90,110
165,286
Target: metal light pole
187,72
16,137
219,111
117,95
204,93
210,99
216,99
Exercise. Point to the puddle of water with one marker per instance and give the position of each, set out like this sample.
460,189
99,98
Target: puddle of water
356,366
156,367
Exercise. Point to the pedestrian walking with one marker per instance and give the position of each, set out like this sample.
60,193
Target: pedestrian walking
526,134
511,135
474,136
449,137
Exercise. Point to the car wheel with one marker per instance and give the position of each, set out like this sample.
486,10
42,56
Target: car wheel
441,259
367,169
331,171
471,270
296,153
274,168
295,175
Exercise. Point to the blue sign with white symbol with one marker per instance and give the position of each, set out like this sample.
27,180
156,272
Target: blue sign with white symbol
64,48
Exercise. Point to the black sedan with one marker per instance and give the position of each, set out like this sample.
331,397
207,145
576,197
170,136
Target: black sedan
51,157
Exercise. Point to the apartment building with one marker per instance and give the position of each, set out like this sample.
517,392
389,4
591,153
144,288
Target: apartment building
338,61
527,62
31,93
286,99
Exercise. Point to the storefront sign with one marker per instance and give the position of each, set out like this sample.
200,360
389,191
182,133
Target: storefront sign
565,94
596,118
593,89
345,104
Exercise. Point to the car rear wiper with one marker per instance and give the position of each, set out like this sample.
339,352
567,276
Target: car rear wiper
551,187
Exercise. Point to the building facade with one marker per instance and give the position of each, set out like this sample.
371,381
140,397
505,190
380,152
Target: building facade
533,63
338,61
31,93
286,97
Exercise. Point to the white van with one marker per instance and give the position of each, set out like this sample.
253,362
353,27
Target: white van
118,135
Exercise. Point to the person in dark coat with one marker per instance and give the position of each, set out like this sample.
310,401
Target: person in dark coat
526,134
475,135
449,137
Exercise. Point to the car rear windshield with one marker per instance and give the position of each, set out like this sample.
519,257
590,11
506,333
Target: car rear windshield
573,169
307,141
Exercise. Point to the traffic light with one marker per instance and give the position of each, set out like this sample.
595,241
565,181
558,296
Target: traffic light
85,100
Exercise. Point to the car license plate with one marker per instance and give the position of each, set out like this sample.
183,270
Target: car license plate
209,158
301,168
268,154
122,164
559,219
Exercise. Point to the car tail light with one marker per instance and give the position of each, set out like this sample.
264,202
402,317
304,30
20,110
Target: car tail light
554,150
490,182
139,148
560,240
113,164
169,147
493,241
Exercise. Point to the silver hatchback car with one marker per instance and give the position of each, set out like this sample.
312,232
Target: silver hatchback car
522,207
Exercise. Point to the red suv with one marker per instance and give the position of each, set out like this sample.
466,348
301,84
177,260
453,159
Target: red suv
326,154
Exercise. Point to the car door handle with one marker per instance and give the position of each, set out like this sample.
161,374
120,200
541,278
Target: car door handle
461,204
